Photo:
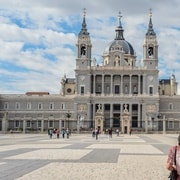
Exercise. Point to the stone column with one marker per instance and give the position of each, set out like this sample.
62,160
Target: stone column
42,125
24,126
60,125
94,84
5,122
139,84
121,84
111,115
164,124
146,123
102,84
93,115
139,114
130,83
111,84
130,115
144,84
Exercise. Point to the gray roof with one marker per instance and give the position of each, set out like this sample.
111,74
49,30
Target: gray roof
120,40
126,46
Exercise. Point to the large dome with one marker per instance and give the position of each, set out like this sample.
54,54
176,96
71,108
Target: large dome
126,46
120,41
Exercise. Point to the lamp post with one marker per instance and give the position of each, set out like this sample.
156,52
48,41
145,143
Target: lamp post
68,115
78,124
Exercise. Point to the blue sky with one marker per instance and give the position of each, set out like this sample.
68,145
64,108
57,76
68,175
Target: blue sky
38,38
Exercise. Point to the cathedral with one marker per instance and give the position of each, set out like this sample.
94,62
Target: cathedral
121,93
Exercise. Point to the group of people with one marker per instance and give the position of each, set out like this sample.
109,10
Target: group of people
173,160
95,133
109,132
56,133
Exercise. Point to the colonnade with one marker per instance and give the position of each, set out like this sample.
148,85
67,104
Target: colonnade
140,89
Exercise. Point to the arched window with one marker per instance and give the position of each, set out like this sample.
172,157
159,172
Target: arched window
170,106
83,51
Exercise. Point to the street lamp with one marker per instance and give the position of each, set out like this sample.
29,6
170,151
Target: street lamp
68,115
78,123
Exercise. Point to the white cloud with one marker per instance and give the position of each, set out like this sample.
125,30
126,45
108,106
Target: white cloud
50,28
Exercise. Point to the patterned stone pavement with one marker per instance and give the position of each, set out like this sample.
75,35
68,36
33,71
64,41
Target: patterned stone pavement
124,157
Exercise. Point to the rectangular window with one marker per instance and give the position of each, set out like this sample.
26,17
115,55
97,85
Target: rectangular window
170,106
28,106
6,105
82,90
107,89
99,88
150,91
62,123
17,106
116,107
107,107
51,106
51,124
39,124
116,89
170,124
62,106
17,124
40,106
28,124
163,93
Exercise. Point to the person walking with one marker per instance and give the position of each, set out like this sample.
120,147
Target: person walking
67,133
130,132
96,133
57,132
63,133
173,160
110,133
117,132
50,133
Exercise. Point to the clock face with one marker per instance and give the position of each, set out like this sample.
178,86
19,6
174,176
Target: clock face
69,90
150,51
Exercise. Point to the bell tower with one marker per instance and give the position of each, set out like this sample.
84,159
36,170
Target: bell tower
150,47
83,46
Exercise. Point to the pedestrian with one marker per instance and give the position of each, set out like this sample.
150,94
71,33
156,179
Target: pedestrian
96,133
117,132
50,133
130,132
110,133
67,133
57,133
93,133
173,160
63,133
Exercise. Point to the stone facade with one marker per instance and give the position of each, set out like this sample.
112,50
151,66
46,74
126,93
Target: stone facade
120,81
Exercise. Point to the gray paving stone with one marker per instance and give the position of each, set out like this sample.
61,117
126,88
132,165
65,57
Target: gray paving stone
32,156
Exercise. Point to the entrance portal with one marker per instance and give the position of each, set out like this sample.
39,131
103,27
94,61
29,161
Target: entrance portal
125,123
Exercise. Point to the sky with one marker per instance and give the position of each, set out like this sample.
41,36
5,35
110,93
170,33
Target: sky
38,38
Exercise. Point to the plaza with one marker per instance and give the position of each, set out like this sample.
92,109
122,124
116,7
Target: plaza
123,157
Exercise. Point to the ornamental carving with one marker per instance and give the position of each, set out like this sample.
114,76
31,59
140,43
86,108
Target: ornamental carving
151,108
82,107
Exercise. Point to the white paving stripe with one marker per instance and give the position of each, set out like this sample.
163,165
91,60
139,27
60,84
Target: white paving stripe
128,167
52,154
1,163
34,146
76,171
128,148
144,167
